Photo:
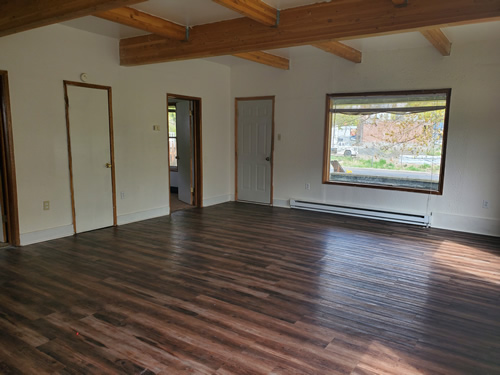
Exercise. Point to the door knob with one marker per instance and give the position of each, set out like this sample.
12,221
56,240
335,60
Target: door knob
268,158
108,165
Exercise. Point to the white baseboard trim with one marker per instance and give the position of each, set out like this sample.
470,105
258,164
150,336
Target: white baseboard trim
67,230
478,225
490,227
46,235
142,215
285,203
218,200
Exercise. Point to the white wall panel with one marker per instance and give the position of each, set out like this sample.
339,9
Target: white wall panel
39,60
473,157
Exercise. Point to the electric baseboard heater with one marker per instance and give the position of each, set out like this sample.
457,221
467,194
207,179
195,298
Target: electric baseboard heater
398,217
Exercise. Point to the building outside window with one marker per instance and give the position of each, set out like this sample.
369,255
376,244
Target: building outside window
388,140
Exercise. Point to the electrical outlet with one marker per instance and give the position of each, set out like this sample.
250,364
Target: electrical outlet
308,186
122,195
486,204
156,128
46,205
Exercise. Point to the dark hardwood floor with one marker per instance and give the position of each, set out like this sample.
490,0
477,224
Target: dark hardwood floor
243,289
176,204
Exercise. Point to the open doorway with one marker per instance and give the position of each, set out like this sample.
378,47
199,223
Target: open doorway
9,228
184,152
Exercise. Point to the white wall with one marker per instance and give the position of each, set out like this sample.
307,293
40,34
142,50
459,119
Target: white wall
38,61
174,179
473,156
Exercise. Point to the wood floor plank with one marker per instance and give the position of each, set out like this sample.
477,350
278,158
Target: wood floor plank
243,289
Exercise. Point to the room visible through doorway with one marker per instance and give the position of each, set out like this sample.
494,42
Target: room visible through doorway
184,145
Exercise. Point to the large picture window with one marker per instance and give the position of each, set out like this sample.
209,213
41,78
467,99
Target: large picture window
388,140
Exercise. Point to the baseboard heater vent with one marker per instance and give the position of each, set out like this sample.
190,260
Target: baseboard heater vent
397,217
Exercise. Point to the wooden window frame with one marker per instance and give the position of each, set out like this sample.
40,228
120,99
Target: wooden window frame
327,140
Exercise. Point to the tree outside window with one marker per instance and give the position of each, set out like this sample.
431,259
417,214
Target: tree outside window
392,140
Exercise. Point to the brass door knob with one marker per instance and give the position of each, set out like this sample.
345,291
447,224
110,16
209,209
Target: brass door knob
108,165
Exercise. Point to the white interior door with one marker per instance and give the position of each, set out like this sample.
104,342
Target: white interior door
89,130
184,151
255,127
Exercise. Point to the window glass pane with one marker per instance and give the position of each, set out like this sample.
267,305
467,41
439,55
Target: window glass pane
172,142
172,134
388,141
172,124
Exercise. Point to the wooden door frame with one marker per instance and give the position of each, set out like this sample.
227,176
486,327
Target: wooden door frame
197,148
111,144
8,167
236,100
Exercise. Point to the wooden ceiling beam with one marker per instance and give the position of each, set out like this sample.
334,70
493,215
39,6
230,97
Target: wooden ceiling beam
336,20
254,9
341,50
438,40
17,16
144,21
266,59
159,26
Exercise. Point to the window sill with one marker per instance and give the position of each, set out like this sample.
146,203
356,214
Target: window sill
387,183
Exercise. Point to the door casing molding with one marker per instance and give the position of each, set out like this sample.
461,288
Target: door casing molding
197,148
8,167
111,144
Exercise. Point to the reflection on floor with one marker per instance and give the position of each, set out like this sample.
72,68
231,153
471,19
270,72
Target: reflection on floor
242,289
176,204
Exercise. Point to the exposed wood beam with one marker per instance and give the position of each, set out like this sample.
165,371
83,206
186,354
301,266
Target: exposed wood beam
144,21
438,40
254,9
341,50
159,26
17,16
266,59
309,24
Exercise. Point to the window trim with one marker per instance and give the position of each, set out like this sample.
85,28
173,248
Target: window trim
328,129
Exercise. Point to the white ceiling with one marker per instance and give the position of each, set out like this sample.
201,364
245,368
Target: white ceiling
183,12
196,12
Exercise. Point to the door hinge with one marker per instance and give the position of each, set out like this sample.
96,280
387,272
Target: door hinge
192,190
191,112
